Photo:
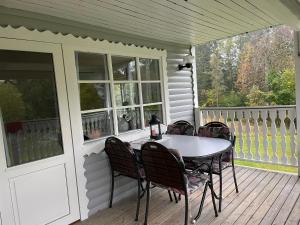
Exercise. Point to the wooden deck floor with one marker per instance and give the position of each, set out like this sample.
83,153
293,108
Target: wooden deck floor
264,198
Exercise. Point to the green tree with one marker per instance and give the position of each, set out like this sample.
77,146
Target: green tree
217,75
256,97
282,87
11,102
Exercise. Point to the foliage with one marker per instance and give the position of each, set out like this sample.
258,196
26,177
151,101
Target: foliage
11,102
257,67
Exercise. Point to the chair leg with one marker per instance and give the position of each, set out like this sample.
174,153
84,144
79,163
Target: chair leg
213,200
170,196
220,192
221,185
138,200
186,214
112,189
147,203
234,177
175,197
201,204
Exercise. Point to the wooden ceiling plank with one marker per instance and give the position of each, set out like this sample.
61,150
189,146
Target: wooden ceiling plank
207,7
136,25
182,16
128,12
255,11
58,12
242,12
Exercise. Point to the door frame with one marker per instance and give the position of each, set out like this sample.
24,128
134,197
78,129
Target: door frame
67,158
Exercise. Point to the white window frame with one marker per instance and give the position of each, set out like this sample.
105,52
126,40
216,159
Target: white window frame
160,56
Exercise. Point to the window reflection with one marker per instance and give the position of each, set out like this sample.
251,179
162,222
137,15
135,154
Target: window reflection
126,94
123,68
151,93
91,66
128,119
96,125
28,102
94,96
149,69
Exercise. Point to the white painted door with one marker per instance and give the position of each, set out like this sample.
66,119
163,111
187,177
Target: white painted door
37,173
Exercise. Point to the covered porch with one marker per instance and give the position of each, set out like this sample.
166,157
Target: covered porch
128,53
265,197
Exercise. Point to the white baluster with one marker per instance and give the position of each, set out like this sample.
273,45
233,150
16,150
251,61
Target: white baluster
255,115
217,114
240,130
248,133
292,117
224,116
282,116
204,116
211,115
264,116
273,116
231,116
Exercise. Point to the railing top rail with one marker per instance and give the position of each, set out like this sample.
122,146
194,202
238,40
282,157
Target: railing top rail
248,107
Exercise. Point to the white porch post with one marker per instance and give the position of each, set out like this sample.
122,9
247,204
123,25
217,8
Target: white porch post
197,114
297,67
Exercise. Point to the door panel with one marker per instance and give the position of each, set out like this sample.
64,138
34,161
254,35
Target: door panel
37,173
28,198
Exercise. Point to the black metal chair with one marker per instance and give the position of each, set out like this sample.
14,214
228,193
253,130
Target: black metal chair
123,162
223,161
181,127
165,169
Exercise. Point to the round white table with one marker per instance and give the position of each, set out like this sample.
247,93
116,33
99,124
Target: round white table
190,146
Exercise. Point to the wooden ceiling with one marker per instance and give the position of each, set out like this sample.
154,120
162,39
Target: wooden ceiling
178,21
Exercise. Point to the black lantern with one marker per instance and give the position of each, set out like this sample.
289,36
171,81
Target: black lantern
155,130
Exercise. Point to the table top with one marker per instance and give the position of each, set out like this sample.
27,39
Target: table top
190,146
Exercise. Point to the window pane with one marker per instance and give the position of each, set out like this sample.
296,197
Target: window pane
91,66
123,68
94,96
149,69
129,119
151,93
126,94
152,110
96,125
28,102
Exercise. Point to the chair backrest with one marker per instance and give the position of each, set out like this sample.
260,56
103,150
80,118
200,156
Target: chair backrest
163,167
215,129
181,127
122,159
218,130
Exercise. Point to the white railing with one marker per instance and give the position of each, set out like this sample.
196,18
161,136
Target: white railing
264,134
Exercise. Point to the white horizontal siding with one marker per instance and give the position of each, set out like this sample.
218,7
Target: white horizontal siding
180,87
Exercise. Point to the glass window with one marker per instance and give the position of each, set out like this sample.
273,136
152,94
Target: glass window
96,125
152,110
91,66
149,69
151,92
95,88
123,68
129,119
94,96
94,92
126,94
28,102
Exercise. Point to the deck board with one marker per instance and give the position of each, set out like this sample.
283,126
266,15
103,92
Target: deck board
264,198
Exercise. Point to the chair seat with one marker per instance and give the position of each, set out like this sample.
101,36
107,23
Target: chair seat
194,182
215,165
